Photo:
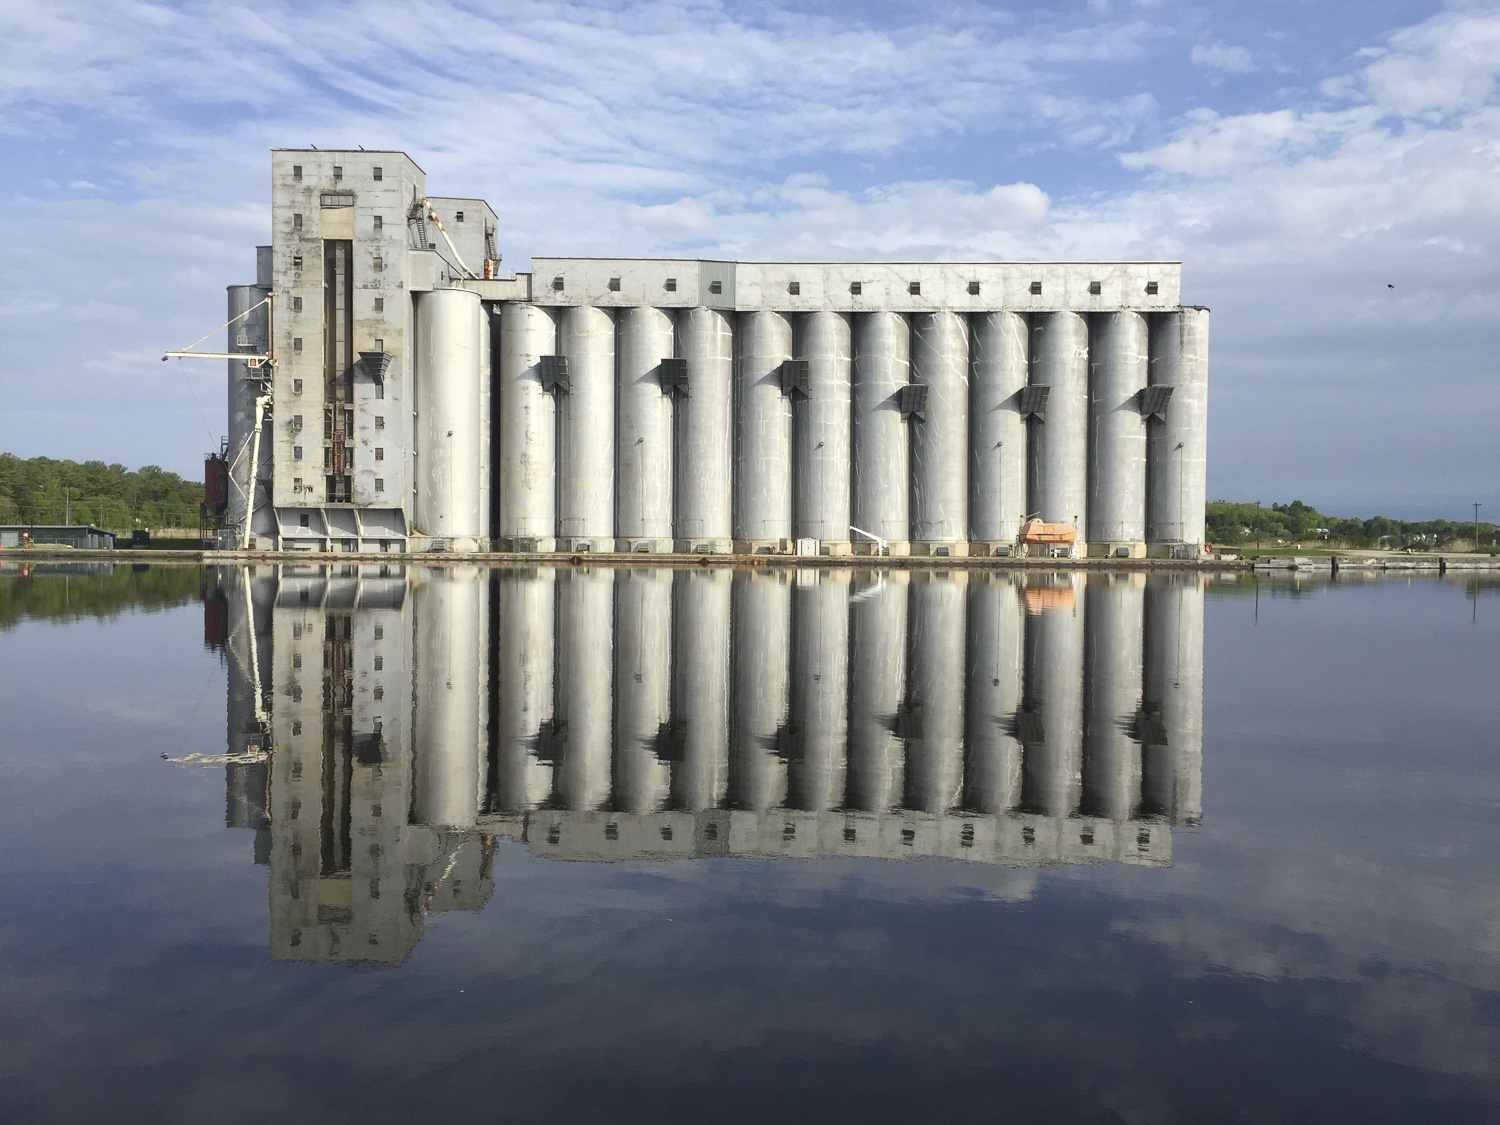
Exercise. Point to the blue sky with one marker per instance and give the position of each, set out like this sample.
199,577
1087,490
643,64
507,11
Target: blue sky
1298,156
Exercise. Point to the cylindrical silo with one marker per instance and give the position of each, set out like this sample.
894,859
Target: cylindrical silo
586,461
1051,726
1059,445
528,429
448,424
643,689
999,361
760,638
585,685
992,754
700,670
524,694
1172,782
880,471
1112,686
1177,454
877,685
763,432
447,617
940,440
819,692
643,449
1118,344
248,333
705,433
821,431
935,691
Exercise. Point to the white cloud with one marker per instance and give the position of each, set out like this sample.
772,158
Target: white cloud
693,126
1222,58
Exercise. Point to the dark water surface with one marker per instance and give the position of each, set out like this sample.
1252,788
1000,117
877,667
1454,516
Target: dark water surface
332,845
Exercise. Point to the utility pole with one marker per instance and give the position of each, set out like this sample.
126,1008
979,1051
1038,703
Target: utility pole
1476,525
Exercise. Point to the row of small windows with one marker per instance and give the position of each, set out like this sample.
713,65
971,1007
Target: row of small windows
297,452
856,288
379,220
297,487
377,173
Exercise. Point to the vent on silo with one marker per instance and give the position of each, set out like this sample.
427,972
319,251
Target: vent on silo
796,378
1030,728
557,283
1034,401
1036,288
914,288
973,288
553,370
716,287
856,288
673,376
375,364
614,285
908,721
794,288
671,285
1095,288
913,402
1154,401
1151,289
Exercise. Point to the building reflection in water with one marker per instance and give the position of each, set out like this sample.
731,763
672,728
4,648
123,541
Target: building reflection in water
387,724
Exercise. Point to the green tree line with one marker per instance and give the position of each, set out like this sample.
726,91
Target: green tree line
41,490
1233,524
62,591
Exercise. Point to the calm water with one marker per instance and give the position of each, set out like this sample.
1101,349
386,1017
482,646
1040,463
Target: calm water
594,845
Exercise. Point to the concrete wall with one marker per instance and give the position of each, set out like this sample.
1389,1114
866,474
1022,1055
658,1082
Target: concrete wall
622,461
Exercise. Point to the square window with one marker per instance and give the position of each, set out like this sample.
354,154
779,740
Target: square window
973,288
1150,288
915,288
338,172
380,304
296,171
297,222
296,453
557,284
296,343
1095,288
1036,288
856,288
794,288
297,262
296,386
716,287
379,484
379,174
380,421
458,216
671,285
379,263
379,222
379,453
297,421
379,692
614,285
379,345
296,304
